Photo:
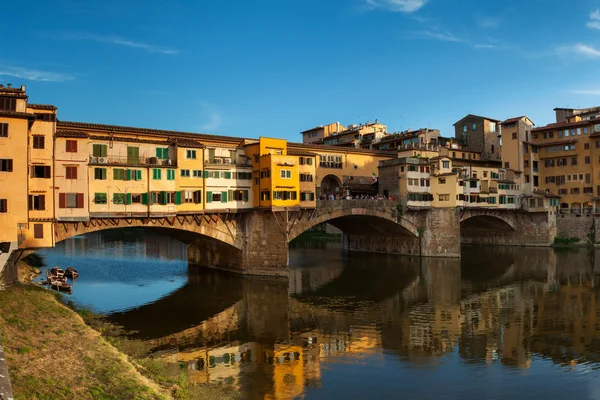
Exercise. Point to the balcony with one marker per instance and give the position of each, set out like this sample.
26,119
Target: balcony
133,161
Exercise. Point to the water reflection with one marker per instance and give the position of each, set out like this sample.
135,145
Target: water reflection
500,323
120,269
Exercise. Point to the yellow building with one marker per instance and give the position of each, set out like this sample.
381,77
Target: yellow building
189,178
14,129
308,171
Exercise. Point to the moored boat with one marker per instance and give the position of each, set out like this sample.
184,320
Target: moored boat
71,272
58,272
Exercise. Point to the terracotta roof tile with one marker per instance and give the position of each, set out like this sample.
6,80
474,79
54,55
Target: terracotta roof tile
148,131
184,142
560,125
570,141
295,152
510,120
41,106
72,134
16,114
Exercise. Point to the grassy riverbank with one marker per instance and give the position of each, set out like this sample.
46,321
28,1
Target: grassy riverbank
318,236
54,353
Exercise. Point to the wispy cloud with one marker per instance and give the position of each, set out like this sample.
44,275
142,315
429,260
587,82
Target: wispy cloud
34,74
443,36
579,49
119,41
485,46
594,22
487,22
405,6
587,92
212,115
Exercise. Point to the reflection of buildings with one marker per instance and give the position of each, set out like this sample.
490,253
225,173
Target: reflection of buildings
526,302
126,244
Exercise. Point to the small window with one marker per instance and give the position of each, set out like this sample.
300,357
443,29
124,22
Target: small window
286,173
71,200
100,173
36,202
3,130
156,174
3,205
71,172
136,198
514,135
190,154
170,174
99,150
100,198
6,165
39,141
465,129
185,173
162,152
40,171
71,146
473,126
38,231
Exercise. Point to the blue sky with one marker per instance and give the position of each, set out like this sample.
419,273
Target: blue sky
277,67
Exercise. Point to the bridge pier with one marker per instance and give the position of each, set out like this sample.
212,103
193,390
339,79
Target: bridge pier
264,248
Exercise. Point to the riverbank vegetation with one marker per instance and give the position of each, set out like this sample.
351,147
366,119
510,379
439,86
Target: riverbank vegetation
56,353
318,236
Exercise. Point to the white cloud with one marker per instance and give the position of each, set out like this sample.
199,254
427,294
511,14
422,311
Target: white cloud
213,116
487,22
580,49
34,74
405,6
117,40
446,37
485,46
594,22
587,92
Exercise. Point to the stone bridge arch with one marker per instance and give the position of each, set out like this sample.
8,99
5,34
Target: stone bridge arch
187,229
482,219
358,217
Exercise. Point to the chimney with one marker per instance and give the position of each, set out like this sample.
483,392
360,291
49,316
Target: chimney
23,87
376,121
8,85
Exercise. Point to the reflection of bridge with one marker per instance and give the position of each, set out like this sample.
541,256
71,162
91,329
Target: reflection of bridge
256,242
424,309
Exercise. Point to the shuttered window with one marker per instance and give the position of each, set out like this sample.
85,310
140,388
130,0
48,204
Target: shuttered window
170,174
3,130
71,172
100,198
38,231
162,152
100,173
39,142
71,146
36,202
99,150
156,172
3,205
6,165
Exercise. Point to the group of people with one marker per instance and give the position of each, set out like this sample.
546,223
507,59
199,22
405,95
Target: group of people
357,197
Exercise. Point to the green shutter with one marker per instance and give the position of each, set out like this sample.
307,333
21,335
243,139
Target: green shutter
245,195
205,174
227,175
103,173
128,201
144,198
223,197
177,198
209,197
139,175
128,175
163,198
133,155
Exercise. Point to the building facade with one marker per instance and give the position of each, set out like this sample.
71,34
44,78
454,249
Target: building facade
479,134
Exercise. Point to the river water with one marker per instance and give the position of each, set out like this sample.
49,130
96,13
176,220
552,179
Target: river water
502,323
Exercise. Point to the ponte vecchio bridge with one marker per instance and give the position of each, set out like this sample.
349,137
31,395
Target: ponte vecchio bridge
256,241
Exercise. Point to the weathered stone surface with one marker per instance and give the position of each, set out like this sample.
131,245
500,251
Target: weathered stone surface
256,242
584,227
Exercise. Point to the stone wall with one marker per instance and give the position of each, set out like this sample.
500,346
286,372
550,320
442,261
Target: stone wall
584,227
5,387
440,233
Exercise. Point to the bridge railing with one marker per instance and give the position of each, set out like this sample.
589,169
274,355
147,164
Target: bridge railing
366,203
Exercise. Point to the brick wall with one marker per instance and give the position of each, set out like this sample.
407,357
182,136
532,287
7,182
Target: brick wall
578,226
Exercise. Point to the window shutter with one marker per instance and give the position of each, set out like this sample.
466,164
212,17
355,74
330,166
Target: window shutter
62,200
205,174
177,198
227,175
128,198
198,196
209,197
42,202
245,195
223,197
127,174
230,194
79,200
74,146
163,198
139,175
9,165
145,198
38,231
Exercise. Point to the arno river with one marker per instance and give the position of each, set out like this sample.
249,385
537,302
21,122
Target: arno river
502,323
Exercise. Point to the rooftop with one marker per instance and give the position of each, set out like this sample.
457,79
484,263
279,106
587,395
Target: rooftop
475,116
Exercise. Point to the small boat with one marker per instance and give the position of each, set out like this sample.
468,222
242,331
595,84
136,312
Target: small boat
56,271
53,278
71,272
61,286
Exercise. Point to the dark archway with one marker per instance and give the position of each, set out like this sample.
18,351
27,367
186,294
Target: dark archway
331,184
